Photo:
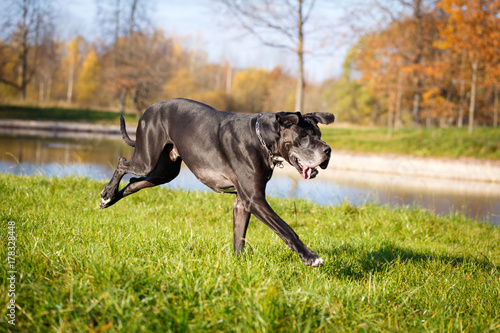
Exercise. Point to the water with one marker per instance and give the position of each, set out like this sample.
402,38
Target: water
97,158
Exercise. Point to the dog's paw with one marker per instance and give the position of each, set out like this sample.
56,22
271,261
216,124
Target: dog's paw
106,198
313,260
318,262
104,203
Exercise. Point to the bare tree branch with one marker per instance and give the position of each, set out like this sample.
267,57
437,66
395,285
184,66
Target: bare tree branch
278,24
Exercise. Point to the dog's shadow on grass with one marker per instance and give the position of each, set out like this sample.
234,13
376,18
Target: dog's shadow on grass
349,261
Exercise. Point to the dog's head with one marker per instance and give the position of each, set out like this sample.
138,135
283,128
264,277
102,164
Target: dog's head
300,141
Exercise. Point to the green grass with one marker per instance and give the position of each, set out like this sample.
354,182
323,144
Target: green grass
484,143
61,114
161,260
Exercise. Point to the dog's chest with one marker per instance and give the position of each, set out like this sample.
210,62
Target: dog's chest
217,181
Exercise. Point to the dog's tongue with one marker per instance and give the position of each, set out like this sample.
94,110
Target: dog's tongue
306,171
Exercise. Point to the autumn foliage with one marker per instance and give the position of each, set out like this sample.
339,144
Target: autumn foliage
451,71
437,64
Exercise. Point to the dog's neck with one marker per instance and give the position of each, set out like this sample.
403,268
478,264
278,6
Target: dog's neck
277,160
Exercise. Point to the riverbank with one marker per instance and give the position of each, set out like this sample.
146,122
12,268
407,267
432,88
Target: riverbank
61,129
361,167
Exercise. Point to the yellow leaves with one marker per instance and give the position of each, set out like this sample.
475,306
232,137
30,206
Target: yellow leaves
251,79
431,93
442,44
177,50
181,84
89,79
73,51
435,104
471,25
411,68
251,88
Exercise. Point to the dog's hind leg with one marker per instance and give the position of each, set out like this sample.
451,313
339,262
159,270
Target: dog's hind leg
165,171
150,144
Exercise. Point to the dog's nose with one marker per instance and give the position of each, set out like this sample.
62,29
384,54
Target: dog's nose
327,150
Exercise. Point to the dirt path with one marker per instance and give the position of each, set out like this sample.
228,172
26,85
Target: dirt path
406,166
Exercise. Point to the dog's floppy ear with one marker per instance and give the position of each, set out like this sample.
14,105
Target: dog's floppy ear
287,119
321,117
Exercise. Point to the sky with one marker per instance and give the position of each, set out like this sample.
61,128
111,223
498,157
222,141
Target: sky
211,32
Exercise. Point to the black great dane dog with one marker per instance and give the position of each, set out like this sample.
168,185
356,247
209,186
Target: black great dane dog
228,152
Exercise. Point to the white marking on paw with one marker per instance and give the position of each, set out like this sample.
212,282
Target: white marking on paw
318,262
105,201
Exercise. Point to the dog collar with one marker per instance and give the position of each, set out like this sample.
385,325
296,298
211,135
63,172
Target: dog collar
277,160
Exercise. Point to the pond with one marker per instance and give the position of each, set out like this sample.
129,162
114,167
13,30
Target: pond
96,158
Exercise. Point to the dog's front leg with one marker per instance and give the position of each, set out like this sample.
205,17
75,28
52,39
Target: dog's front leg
241,217
259,207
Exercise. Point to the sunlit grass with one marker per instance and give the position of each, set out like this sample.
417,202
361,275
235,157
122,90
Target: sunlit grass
61,114
161,260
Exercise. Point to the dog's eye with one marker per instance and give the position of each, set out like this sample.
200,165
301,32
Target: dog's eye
303,135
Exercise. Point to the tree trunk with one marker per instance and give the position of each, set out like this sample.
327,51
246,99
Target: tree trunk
24,53
41,91
137,103
472,106
415,114
374,115
398,123
495,108
49,89
69,93
229,79
299,95
121,100
117,23
390,115
132,18
460,121
417,98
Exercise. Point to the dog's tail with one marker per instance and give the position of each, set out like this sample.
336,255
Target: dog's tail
125,136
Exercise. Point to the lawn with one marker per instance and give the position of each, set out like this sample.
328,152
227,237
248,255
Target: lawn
484,143
161,260
62,114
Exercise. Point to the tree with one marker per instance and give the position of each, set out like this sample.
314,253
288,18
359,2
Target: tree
348,98
127,21
47,63
472,28
26,21
141,67
71,61
251,89
383,63
279,24
403,17
89,79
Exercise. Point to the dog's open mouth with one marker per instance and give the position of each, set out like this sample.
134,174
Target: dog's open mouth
306,171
